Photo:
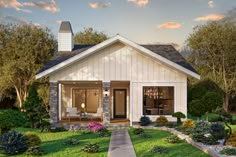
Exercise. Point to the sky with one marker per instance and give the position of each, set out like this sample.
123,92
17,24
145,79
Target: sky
141,21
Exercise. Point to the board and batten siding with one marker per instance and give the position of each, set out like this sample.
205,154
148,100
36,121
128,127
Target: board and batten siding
120,62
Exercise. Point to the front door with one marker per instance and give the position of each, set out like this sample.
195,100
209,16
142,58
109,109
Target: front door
119,103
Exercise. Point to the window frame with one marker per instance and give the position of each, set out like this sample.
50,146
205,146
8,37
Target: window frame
159,86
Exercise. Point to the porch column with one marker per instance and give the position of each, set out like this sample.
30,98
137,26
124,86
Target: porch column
106,103
53,102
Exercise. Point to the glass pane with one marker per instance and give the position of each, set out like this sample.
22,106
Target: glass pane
120,102
78,98
158,100
92,100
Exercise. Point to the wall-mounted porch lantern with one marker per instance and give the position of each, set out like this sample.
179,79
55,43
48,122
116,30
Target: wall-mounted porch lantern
106,92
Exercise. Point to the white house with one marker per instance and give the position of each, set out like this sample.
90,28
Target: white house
121,78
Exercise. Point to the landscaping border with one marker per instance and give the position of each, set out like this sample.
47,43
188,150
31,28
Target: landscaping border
182,136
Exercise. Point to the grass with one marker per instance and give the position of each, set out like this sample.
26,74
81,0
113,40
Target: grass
143,146
52,143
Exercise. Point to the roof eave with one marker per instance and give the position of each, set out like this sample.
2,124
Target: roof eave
109,42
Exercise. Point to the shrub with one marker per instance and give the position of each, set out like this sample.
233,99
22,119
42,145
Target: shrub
138,131
71,142
91,148
216,119
232,140
196,108
218,130
95,126
178,115
144,135
13,143
185,130
32,139
159,150
202,133
35,111
173,139
161,121
57,129
98,128
103,132
36,150
10,119
189,123
228,151
144,121
74,127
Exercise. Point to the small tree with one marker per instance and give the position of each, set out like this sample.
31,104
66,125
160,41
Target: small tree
178,115
211,101
34,110
196,108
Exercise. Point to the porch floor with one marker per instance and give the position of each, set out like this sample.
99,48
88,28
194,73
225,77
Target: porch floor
84,121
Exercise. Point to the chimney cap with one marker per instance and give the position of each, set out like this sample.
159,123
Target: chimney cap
65,27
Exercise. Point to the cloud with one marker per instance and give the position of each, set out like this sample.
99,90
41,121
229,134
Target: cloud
96,5
211,4
11,18
58,22
48,6
210,17
170,25
140,3
13,4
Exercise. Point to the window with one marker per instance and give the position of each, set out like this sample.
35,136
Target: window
90,97
158,100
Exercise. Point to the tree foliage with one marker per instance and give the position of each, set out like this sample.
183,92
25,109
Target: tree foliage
89,36
214,46
24,49
34,110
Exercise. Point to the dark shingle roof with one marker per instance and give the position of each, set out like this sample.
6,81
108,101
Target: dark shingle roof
166,51
65,27
64,55
170,53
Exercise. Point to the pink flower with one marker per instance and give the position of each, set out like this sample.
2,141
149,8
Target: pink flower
95,126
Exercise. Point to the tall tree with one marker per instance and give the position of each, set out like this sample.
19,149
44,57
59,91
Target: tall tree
89,36
23,50
214,54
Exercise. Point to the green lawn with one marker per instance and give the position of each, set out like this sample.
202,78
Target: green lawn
52,143
142,146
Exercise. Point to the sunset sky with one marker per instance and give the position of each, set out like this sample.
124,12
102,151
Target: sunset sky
142,21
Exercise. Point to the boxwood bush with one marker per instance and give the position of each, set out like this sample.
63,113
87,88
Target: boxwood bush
11,119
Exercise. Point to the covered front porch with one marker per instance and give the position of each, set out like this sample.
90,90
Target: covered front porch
105,102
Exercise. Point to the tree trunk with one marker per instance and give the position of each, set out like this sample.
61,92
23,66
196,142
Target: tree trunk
18,97
207,116
226,102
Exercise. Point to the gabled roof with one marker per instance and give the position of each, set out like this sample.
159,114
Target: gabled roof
164,53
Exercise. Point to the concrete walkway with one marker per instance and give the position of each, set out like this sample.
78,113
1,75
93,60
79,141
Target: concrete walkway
121,145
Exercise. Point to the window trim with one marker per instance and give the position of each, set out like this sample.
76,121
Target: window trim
74,88
158,85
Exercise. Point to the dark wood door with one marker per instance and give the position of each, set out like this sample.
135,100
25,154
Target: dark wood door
119,103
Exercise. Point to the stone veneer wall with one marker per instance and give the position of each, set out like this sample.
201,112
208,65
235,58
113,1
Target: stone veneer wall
53,102
106,104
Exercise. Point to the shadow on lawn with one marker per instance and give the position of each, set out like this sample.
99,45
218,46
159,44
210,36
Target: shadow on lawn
58,145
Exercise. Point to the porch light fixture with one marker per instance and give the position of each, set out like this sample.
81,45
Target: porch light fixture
106,92
83,106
